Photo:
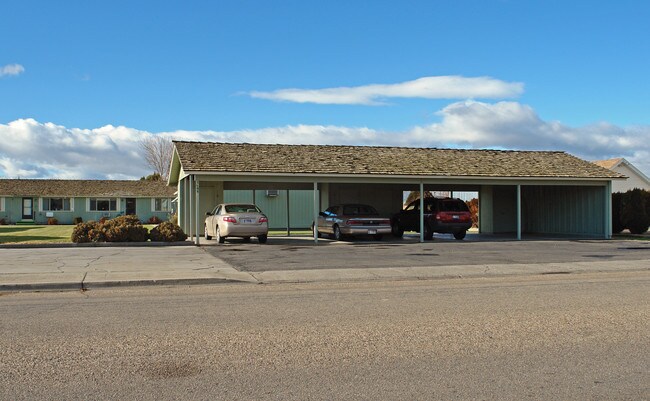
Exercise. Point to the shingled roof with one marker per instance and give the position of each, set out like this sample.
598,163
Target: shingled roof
609,163
84,188
374,160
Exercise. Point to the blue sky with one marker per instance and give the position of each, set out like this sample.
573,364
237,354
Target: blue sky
571,74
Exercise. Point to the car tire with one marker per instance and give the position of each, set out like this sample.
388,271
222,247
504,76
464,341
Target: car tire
428,233
262,239
318,234
217,235
396,230
378,237
207,236
336,233
459,235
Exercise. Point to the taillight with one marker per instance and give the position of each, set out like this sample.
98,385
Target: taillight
354,222
229,219
438,217
263,220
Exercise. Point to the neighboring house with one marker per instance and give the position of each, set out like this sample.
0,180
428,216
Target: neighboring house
635,178
34,201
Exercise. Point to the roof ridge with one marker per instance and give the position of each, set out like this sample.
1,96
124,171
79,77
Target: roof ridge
372,146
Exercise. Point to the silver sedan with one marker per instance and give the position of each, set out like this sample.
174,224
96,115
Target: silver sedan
236,220
352,220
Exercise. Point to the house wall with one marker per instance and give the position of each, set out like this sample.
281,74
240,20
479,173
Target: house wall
574,210
504,209
633,180
299,211
13,211
386,198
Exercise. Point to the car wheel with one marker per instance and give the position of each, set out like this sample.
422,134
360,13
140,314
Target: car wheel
396,230
378,237
318,234
428,233
218,236
207,236
460,235
337,233
262,239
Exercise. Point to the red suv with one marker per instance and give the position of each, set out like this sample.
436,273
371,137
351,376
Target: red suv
441,215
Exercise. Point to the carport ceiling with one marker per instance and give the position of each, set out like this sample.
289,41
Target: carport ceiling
374,161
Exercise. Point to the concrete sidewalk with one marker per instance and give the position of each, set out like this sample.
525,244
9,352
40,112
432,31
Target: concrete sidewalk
86,268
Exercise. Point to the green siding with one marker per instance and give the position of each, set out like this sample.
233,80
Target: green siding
13,211
563,210
301,206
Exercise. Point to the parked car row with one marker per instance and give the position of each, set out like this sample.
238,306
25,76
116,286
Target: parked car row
441,215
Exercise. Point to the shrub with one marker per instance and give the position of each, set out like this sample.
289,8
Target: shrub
633,211
154,220
103,219
87,232
167,232
125,229
617,223
77,220
52,221
3,222
119,229
173,219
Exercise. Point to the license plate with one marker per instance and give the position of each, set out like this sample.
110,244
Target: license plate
372,231
247,221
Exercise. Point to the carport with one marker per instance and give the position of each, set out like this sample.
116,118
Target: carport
520,192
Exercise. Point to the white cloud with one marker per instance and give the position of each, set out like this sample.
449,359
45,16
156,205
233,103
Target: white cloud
11,69
46,150
439,87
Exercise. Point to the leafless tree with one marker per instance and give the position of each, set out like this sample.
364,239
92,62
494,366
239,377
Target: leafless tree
414,195
158,152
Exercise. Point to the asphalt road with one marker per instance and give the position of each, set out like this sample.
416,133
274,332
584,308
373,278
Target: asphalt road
295,254
553,337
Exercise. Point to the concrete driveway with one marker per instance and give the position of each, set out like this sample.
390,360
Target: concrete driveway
298,260
300,253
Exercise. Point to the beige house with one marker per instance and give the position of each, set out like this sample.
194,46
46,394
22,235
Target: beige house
635,178
520,192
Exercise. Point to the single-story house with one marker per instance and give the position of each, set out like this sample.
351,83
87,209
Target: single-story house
37,200
635,177
520,192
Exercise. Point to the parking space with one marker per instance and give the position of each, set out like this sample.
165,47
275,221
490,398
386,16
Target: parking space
299,253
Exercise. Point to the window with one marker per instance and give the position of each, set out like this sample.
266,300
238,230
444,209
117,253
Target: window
56,204
161,205
242,208
103,205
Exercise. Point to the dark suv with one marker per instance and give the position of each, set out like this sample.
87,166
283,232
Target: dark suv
441,215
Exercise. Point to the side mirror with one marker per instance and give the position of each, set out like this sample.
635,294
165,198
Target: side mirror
208,214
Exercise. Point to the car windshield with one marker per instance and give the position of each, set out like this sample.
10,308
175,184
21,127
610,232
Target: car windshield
243,208
453,206
359,210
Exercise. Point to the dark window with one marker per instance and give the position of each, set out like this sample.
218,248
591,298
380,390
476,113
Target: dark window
242,208
359,210
103,205
453,206
56,204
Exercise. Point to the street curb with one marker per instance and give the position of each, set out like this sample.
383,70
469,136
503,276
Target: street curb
111,284
97,245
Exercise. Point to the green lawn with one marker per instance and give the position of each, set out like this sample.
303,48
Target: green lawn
34,234
62,233
39,234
